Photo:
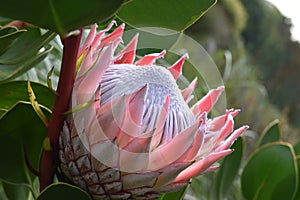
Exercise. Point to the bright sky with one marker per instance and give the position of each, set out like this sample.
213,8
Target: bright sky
290,9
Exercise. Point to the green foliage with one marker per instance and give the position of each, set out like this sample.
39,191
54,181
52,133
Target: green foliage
20,135
16,191
13,92
268,39
271,173
179,195
297,148
62,191
60,16
162,13
237,12
24,53
7,36
270,134
228,171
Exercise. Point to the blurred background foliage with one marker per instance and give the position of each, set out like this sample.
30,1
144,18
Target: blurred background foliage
250,41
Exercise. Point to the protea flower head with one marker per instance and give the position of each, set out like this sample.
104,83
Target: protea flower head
131,134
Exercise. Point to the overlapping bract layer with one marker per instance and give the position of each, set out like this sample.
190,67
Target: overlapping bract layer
132,134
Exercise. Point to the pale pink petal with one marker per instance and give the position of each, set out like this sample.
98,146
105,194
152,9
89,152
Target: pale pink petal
208,101
187,92
89,40
211,168
235,112
138,144
99,35
107,121
200,166
228,142
196,146
107,40
150,58
127,55
168,153
93,39
217,123
226,129
169,173
131,124
176,68
159,127
86,86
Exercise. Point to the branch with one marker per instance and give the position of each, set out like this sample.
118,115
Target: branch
49,160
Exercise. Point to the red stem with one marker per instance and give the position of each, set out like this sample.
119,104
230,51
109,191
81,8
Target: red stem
49,161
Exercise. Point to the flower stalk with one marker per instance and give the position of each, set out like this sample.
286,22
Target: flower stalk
49,161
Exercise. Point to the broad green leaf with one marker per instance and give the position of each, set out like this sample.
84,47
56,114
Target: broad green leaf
271,173
297,196
24,53
179,195
2,193
9,72
60,16
297,148
20,128
271,133
8,36
26,46
16,191
228,170
40,71
12,92
175,15
153,39
63,191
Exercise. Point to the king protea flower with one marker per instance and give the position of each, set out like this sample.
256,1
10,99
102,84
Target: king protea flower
131,134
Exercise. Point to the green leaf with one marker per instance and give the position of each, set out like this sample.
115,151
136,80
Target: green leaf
271,173
24,53
8,36
60,16
16,191
12,92
20,128
272,133
179,195
39,72
2,192
297,196
26,46
151,40
297,148
228,170
63,191
163,13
